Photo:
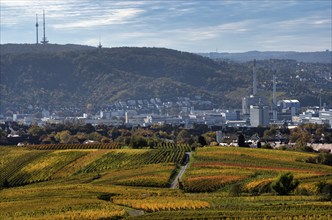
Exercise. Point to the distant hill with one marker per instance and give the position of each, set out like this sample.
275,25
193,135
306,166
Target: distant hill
311,57
40,48
72,75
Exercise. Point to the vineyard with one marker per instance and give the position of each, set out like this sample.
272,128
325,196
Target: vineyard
172,146
48,162
218,168
132,157
74,146
220,183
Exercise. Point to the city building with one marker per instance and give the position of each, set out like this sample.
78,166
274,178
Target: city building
316,116
259,115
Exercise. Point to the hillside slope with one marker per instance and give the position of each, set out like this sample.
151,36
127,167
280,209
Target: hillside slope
121,183
69,75
310,57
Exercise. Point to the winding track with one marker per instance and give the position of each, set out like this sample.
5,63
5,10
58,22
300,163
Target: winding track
175,183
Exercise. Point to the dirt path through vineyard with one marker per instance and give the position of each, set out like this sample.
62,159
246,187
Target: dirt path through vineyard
175,183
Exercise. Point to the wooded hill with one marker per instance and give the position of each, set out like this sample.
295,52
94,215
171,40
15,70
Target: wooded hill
72,75
311,57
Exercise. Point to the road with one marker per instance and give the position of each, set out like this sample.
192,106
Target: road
175,183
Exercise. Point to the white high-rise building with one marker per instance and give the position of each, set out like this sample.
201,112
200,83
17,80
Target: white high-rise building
259,116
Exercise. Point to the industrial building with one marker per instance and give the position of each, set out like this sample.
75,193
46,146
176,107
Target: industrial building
259,115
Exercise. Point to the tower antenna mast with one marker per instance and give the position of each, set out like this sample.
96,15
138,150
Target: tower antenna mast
37,29
44,41
99,45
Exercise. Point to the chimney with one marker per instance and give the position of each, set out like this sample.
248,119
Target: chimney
254,80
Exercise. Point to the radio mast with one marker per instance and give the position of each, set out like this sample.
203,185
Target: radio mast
37,42
44,41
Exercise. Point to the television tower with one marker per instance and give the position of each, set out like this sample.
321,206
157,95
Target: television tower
44,41
254,80
37,29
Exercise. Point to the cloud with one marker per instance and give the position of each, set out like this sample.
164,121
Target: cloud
115,16
20,12
242,25
210,32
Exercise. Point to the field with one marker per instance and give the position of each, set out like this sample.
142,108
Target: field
99,183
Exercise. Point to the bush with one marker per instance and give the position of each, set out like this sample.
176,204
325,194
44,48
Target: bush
5,184
325,191
284,184
235,190
304,148
283,147
267,146
302,191
322,158
196,145
214,143
325,158
260,189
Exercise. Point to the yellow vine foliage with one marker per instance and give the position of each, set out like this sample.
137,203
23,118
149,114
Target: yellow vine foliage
78,164
89,214
257,183
162,204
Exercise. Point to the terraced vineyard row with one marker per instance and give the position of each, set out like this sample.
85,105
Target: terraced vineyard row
74,146
20,162
130,158
166,203
42,166
172,146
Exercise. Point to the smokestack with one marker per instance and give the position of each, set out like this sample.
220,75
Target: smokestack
37,29
254,80
274,89
274,97
44,41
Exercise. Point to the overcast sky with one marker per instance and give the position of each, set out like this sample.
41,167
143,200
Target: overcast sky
193,26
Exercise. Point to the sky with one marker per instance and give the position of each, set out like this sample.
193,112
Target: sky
186,25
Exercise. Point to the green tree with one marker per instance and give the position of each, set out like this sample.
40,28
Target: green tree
184,137
45,139
259,144
81,137
325,190
324,158
137,141
202,141
95,136
36,131
241,141
209,137
105,140
270,133
3,137
301,136
63,136
284,184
